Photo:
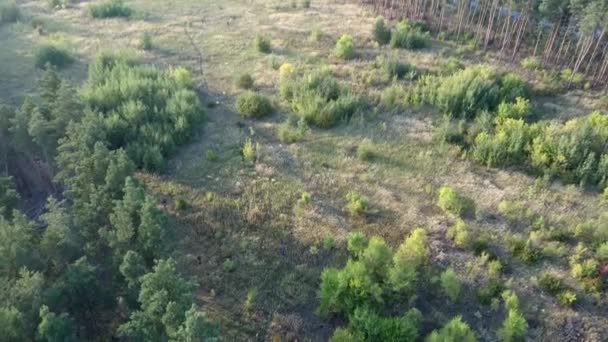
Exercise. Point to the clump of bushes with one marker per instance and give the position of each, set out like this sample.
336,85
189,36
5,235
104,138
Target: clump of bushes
253,105
454,330
358,289
110,9
345,47
288,132
9,12
318,98
381,32
452,202
393,68
450,284
53,55
408,36
262,44
244,81
162,105
530,63
459,234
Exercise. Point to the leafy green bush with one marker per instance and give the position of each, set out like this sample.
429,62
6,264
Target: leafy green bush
252,105
345,47
514,327
356,204
410,256
262,44
450,284
9,12
454,331
406,36
373,327
530,63
550,283
357,243
110,9
289,133
53,55
525,250
566,298
244,81
459,233
507,146
145,110
380,32
249,150
394,97
452,202
393,68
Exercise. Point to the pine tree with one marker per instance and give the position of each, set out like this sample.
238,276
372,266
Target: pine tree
55,328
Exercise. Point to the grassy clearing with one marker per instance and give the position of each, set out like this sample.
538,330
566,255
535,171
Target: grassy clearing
265,227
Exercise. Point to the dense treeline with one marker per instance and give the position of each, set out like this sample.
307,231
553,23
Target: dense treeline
561,33
97,263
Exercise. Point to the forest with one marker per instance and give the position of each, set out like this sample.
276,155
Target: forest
305,170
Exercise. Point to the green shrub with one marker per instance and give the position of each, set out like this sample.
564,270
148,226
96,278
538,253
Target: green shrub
406,36
210,155
53,55
9,12
452,202
316,35
566,298
345,47
525,250
488,292
345,335
54,4
356,204
459,234
145,42
252,105
567,74
305,3
357,243
229,265
110,9
550,283
530,63
373,327
393,68
454,331
511,300
451,66
181,204
394,97
329,242
380,32
262,44
288,133
450,284
514,327
366,151
410,256
244,81
520,109
249,150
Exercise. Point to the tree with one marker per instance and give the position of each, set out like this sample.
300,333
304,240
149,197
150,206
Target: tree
17,245
59,243
164,298
8,197
514,327
376,328
55,328
132,268
23,296
197,328
11,322
377,257
357,243
454,331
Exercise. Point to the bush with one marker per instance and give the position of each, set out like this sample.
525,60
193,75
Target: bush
408,36
450,284
376,328
305,3
262,44
394,97
249,150
356,204
54,4
530,63
345,48
357,243
145,42
393,68
288,133
53,55
252,105
410,256
381,33
566,298
450,201
514,327
9,12
244,81
459,234
365,151
454,331
110,9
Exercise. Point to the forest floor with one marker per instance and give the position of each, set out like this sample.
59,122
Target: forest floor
256,251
